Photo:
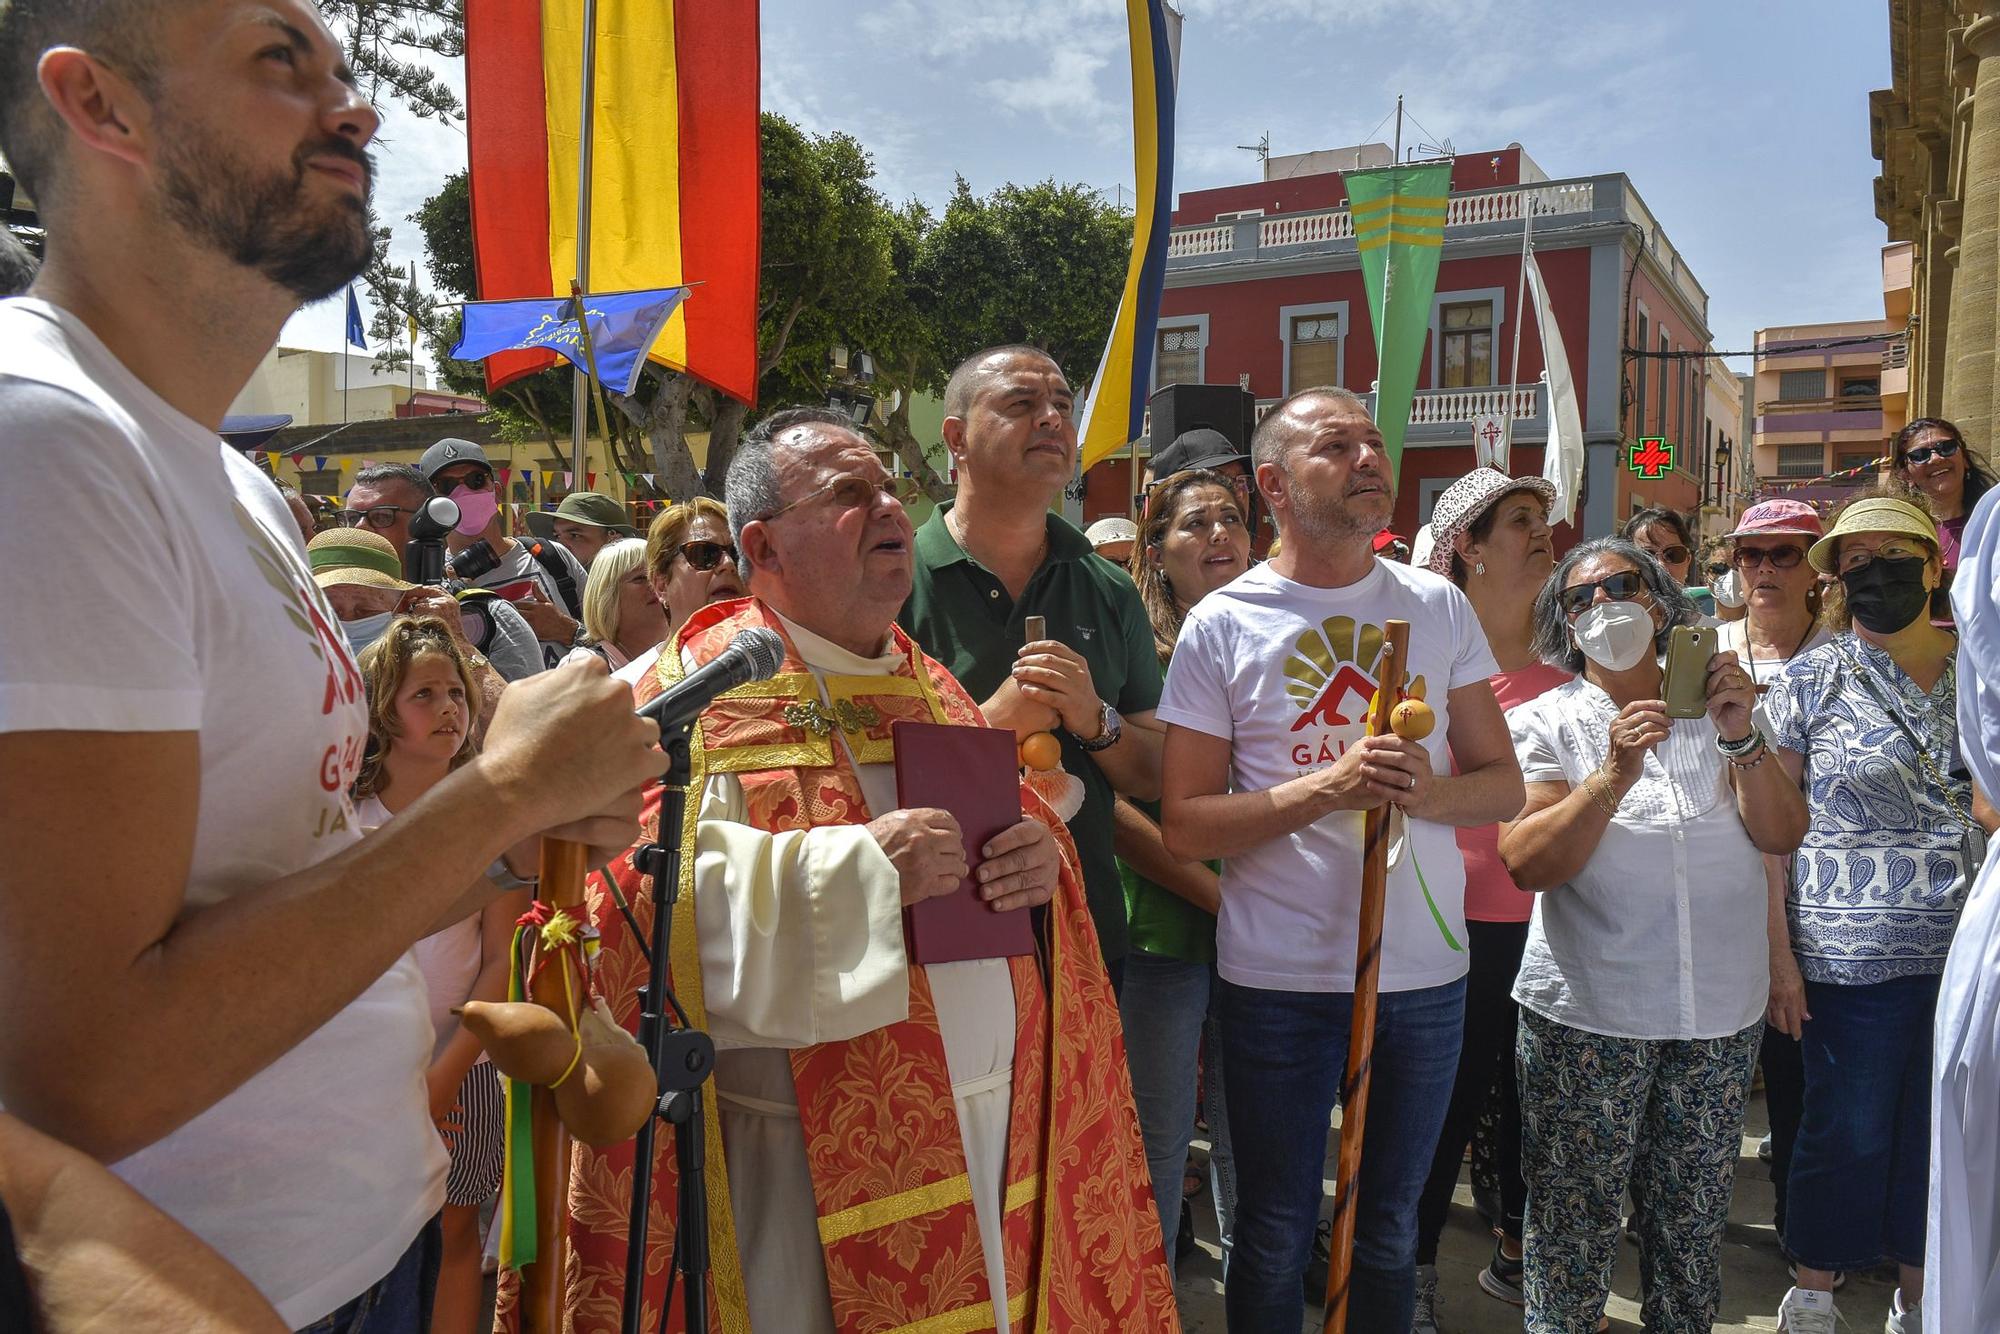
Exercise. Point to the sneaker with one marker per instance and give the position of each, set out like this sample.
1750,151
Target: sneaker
1806,1312
1427,1291
1839,1275
1764,1149
1502,1278
1322,1259
1903,1319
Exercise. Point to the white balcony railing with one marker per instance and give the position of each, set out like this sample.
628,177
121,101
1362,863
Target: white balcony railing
1440,407
1476,209
1306,228
1451,407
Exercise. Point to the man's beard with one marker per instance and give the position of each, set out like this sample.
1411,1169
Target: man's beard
261,220
1324,518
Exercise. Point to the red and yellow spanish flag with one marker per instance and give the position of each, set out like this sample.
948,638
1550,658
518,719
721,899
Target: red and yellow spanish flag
675,189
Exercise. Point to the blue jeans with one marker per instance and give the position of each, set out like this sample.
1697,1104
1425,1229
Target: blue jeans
400,1302
1168,1005
1287,1056
1861,1164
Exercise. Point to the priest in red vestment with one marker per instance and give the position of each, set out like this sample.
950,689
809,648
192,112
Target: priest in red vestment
902,1147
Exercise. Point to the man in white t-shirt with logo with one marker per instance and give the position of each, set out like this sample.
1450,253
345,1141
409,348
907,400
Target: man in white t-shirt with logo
205,976
1268,766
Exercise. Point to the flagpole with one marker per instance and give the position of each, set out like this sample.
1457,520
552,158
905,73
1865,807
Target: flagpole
579,416
1520,319
346,351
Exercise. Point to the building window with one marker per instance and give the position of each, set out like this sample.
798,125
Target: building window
1801,386
1856,458
1465,335
1239,215
1314,351
1865,388
1800,460
319,482
1177,358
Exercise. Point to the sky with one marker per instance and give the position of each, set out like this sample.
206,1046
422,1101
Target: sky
1742,123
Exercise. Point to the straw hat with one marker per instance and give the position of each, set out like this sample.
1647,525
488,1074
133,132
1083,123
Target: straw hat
1876,514
355,556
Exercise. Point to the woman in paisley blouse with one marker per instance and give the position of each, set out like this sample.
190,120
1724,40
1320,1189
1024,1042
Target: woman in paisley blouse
1868,724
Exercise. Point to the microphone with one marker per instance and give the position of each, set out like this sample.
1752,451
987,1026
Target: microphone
754,655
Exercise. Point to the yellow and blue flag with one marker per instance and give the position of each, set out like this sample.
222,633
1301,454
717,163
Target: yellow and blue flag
623,326
1116,409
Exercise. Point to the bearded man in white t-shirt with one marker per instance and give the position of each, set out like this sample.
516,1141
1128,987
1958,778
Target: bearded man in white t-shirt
205,974
1268,767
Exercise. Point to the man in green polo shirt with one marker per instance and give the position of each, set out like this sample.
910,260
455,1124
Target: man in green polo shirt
998,556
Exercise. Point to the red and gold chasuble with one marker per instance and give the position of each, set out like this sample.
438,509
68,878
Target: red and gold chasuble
1080,1232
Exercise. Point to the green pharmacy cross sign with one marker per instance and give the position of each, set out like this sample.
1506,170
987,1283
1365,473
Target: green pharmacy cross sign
1652,458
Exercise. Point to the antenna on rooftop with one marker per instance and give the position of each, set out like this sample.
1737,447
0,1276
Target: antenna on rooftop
1262,148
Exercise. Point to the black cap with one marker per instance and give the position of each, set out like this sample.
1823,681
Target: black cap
447,452
1202,447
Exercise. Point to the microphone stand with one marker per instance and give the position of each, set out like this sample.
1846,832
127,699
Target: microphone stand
683,1058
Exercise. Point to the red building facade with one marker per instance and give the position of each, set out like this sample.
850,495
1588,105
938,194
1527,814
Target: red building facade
1264,290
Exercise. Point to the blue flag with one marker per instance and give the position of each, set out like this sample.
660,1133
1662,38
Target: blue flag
355,338
623,328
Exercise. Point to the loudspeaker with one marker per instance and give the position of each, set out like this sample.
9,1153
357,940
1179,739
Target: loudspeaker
1179,408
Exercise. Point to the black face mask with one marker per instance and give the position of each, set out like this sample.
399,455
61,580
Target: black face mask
1887,593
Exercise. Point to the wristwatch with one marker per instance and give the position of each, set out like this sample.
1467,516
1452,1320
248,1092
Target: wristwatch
1107,736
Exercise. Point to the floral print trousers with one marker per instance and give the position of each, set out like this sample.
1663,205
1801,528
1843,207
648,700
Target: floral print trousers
1601,1113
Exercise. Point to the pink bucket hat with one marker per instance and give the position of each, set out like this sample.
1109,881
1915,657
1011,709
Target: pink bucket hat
1779,516
1465,500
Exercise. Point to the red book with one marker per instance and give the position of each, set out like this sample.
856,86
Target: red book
974,773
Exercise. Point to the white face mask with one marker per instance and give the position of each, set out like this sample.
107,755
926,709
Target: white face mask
1614,635
1728,589
363,632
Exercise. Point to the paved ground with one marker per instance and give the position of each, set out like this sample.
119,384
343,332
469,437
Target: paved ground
1754,1278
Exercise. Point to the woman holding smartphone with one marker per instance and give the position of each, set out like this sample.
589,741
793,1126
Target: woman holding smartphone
1643,985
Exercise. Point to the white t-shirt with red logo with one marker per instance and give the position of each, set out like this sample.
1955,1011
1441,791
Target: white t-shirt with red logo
158,585
1285,671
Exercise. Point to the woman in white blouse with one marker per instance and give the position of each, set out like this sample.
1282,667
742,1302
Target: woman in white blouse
1644,981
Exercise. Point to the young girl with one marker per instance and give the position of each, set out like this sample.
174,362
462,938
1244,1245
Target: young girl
422,707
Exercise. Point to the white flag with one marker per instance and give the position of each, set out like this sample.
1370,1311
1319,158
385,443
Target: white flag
1562,456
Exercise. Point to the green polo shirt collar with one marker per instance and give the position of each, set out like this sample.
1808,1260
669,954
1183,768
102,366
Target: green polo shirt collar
937,548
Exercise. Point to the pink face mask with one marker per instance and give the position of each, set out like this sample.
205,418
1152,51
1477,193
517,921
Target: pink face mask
475,509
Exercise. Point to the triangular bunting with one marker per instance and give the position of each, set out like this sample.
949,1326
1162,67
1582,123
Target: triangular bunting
319,463
505,474
272,459
590,481
569,479
548,481
299,462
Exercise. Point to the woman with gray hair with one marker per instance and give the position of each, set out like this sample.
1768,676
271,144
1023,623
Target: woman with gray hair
1644,981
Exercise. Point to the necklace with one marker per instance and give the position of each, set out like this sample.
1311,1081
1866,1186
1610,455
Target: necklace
957,529
1750,646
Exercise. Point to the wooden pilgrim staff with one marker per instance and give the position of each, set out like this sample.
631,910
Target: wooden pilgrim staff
561,988
1414,723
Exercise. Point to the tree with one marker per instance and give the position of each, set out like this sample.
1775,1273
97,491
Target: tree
393,46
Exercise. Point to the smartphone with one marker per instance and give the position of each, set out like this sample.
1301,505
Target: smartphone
1033,628
1689,648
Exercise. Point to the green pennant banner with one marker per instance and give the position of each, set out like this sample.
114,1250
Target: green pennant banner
1398,215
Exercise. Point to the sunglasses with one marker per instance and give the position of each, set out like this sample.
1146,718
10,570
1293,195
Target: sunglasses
705,556
1717,571
1673,555
1923,454
1780,558
853,493
379,517
1621,586
472,481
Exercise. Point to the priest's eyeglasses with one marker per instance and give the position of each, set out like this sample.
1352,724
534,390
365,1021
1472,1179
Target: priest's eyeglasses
852,492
